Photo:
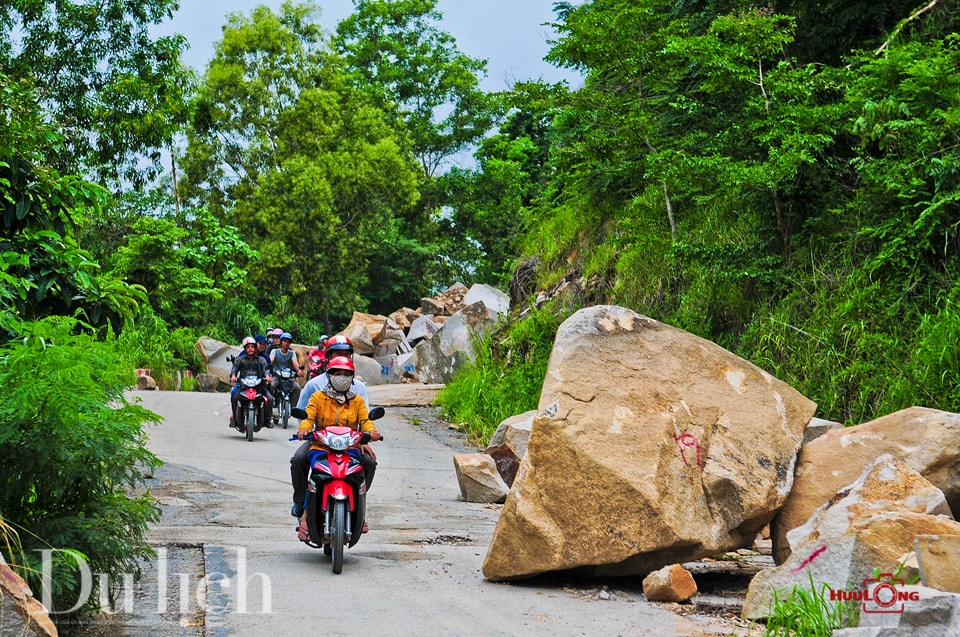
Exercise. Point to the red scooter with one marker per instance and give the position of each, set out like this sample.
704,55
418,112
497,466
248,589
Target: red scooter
316,365
336,489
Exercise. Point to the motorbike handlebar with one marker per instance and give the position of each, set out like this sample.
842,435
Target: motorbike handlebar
364,440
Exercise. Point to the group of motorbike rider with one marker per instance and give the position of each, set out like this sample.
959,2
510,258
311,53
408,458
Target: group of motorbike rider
336,397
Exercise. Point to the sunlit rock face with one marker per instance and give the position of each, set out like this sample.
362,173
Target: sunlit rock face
650,447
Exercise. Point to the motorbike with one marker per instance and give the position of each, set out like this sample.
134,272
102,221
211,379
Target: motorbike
250,406
281,402
336,489
316,365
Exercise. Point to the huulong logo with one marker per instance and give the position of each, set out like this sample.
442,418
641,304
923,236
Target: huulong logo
881,594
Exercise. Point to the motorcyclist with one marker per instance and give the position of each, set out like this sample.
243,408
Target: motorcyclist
285,358
335,404
318,354
249,363
321,348
337,346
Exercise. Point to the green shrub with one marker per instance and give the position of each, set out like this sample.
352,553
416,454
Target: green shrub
72,456
147,342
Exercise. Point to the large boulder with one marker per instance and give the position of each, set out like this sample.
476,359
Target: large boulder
404,317
365,331
447,303
650,447
439,358
496,301
937,561
368,370
868,527
215,354
478,478
925,612
397,368
421,328
928,440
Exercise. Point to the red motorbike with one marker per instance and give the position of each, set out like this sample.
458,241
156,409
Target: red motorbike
336,489
316,365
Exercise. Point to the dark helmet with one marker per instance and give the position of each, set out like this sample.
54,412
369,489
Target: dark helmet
260,338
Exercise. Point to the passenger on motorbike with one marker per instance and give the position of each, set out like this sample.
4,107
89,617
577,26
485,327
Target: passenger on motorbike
321,348
336,346
334,404
285,358
249,363
273,340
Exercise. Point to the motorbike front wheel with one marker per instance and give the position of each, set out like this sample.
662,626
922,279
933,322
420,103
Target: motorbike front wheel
285,411
251,422
338,529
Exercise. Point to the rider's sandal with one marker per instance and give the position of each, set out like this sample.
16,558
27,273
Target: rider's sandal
303,533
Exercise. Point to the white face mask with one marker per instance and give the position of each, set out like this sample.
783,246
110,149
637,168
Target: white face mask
340,383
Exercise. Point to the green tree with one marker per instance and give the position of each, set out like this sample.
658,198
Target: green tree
303,163
397,53
414,67
47,270
116,93
185,267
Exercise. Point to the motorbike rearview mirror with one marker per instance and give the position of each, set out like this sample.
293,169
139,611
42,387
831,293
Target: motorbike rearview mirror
376,413
296,412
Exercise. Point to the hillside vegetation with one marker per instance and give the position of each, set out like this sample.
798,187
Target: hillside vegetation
781,181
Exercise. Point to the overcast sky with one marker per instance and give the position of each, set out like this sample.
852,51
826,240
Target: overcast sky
509,34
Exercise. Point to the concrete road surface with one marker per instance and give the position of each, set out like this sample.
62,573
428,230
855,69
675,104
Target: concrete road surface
229,562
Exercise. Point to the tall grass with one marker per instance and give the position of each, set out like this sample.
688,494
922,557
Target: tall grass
808,613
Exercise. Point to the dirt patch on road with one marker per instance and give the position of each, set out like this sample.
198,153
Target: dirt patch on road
428,420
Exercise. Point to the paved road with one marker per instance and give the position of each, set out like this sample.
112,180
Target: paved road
230,563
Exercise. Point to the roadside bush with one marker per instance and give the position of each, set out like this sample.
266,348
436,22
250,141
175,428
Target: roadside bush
147,342
72,457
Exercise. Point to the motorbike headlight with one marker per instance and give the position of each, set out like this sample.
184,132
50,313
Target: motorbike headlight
251,381
339,442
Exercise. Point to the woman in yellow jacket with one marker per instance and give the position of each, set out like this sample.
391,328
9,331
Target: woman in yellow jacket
336,405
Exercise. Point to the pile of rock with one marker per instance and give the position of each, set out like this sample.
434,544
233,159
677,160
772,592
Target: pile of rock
428,344
651,447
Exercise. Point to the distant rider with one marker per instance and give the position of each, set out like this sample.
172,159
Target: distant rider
285,358
249,363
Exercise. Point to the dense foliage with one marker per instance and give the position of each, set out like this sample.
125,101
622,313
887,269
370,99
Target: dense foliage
72,457
724,171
